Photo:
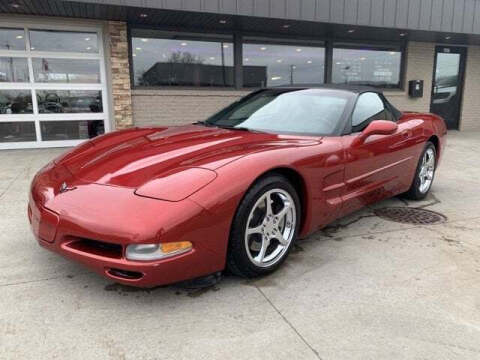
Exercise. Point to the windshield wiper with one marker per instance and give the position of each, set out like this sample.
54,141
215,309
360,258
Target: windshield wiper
239,128
203,122
228,127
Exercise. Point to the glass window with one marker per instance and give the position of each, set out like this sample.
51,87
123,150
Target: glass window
63,41
274,65
66,70
71,130
15,102
311,111
17,131
13,69
162,62
69,101
369,107
445,99
12,39
61,73
380,68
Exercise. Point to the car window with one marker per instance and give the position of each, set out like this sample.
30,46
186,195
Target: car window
389,115
309,112
369,107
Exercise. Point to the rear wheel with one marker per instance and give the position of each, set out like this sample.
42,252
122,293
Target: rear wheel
424,174
265,227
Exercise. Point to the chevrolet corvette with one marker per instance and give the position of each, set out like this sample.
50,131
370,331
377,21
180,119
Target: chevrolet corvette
153,206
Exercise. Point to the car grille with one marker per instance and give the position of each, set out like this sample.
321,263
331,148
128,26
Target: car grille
95,247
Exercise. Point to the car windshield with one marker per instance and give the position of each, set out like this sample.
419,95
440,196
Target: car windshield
306,112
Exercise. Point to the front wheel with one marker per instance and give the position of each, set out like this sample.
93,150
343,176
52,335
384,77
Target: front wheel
424,174
264,228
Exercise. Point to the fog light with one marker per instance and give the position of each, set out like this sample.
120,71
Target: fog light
148,252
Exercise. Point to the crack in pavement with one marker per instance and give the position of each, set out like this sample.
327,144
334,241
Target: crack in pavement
332,229
435,201
465,348
289,323
42,280
12,182
25,171
342,226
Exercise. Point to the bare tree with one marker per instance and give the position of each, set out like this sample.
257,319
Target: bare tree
180,57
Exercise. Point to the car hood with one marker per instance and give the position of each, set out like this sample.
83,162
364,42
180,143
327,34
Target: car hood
132,157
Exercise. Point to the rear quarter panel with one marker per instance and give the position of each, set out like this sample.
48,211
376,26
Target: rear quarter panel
429,126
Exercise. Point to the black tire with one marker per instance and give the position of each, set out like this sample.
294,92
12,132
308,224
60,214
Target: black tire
415,193
238,260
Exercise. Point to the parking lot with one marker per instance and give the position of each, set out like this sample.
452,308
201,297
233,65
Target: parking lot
363,288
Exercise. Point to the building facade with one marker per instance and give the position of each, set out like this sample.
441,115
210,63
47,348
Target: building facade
70,70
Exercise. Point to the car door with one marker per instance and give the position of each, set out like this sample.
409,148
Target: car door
378,166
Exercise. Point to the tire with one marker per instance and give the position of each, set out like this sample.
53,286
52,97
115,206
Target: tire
272,233
419,188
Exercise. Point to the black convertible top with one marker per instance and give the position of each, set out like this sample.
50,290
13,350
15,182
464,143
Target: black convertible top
357,89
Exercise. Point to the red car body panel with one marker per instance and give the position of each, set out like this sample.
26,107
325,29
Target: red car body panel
90,192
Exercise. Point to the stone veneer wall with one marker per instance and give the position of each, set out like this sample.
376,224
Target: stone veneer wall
120,75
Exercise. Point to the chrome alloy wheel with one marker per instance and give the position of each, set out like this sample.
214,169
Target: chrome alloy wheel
270,227
427,170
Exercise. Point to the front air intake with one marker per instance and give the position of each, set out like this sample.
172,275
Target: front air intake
95,247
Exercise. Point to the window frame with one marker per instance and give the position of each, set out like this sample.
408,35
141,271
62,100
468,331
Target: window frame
241,37
33,86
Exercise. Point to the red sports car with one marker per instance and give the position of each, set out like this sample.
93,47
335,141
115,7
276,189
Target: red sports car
151,206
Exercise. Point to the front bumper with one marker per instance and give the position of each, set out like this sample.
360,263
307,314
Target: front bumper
134,273
116,217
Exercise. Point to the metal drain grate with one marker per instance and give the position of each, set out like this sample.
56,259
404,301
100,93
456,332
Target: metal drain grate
407,215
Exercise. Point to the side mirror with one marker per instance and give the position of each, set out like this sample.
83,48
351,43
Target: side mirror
378,127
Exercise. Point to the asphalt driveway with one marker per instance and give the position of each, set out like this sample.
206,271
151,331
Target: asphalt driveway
364,288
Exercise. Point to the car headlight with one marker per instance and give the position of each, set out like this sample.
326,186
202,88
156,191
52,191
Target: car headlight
149,252
177,185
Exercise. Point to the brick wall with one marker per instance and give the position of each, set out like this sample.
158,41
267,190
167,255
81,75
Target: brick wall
168,107
120,74
470,119
420,61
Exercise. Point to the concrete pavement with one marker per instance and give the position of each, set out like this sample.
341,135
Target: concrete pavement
365,288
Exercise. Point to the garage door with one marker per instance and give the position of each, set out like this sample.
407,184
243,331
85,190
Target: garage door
52,85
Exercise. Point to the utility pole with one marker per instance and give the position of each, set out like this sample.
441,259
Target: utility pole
223,64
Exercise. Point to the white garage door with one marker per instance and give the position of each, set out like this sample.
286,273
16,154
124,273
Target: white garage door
52,85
